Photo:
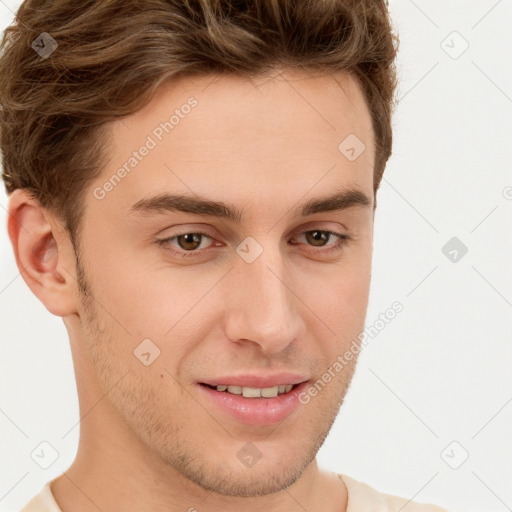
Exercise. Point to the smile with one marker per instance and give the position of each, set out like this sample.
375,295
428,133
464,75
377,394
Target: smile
254,406
248,392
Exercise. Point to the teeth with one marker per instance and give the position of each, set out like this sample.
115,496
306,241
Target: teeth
270,392
256,392
251,392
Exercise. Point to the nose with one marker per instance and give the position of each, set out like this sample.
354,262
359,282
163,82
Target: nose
261,307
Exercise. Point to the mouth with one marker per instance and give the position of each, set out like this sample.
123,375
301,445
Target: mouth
254,406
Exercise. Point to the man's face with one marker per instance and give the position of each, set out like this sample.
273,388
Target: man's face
266,294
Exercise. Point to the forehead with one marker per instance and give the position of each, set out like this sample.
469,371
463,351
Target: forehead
225,135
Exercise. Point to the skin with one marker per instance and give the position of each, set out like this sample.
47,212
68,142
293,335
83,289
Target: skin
149,439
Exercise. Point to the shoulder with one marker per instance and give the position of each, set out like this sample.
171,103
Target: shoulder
361,496
44,501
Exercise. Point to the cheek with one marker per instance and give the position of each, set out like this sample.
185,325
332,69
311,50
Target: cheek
340,296
161,311
341,305
143,300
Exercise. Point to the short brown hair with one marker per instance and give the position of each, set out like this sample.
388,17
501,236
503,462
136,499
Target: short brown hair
113,54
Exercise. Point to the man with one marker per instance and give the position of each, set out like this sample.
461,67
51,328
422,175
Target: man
192,188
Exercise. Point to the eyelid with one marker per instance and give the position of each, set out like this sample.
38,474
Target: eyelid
203,229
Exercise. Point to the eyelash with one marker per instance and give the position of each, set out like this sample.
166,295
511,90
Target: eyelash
343,240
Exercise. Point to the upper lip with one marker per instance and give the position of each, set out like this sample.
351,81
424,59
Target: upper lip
257,381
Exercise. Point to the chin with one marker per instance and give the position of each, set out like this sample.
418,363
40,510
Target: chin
251,482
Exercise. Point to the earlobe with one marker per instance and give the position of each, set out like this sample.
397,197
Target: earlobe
41,253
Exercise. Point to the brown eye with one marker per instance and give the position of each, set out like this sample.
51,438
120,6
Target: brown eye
189,241
317,238
327,241
186,244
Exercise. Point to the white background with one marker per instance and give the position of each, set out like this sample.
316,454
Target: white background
440,371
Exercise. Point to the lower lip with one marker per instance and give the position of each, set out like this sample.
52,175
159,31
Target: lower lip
256,411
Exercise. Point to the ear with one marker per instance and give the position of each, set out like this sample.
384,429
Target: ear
44,254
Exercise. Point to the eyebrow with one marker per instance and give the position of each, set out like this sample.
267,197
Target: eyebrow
164,203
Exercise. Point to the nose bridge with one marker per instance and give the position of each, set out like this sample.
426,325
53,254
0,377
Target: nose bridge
261,307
